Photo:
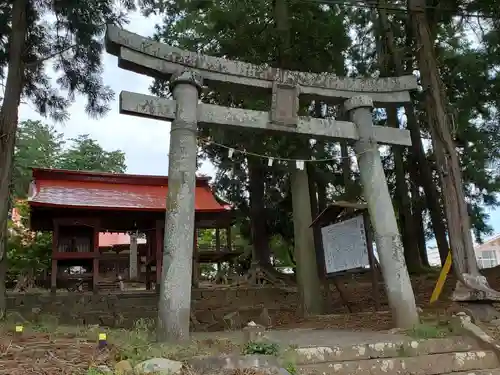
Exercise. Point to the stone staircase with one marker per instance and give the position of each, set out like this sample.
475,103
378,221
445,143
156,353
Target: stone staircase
451,355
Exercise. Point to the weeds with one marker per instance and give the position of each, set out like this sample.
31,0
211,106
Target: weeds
134,345
429,331
266,348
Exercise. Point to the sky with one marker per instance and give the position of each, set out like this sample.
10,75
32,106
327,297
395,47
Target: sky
145,142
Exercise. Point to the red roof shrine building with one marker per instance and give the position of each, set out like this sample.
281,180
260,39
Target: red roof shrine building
77,206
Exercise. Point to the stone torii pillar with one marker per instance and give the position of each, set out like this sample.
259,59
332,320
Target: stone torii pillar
175,288
375,190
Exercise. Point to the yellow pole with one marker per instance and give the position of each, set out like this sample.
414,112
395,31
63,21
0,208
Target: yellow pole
441,279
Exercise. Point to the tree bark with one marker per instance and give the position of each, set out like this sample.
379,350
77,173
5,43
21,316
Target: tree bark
417,209
406,222
346,169
308,281
432,195
9,113
406,219
447,162
258,217
424,168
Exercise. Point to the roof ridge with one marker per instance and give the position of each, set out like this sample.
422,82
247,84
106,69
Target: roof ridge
62,172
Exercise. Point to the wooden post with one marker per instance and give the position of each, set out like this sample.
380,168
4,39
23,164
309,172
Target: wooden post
151,242
217,246
55,270
132,270
228,238
217,239
95,261
371,259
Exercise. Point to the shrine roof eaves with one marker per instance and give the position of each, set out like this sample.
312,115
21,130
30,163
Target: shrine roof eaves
107,177
54,188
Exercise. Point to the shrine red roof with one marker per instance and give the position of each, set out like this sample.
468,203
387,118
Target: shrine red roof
111,191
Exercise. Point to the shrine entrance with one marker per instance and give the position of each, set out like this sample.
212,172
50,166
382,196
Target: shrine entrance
188,73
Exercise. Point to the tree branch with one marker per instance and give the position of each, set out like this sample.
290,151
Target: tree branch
48,57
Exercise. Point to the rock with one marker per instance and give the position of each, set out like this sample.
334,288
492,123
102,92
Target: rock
159,366
480,312
36,310
103,369
213,365
496,322
394,331
232,321
123,368
253,333
265,318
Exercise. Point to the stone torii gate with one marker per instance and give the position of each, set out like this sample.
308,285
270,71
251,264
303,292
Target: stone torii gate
188,72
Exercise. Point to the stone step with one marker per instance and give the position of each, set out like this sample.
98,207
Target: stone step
433,364
493,371
383,349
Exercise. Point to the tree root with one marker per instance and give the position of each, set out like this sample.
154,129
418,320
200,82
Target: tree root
474,288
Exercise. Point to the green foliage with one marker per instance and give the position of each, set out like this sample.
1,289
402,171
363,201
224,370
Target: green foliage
246,31
429,331
261,347
291,368
85,154
66,37
40,145
28,252
37,145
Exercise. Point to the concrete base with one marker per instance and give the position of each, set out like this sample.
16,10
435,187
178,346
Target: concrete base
362,353
425,365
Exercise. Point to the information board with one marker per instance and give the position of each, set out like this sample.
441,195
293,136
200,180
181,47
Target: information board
344,245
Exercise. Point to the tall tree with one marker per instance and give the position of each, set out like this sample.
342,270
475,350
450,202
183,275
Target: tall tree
449,169
85,154
37,145
245,31
34,33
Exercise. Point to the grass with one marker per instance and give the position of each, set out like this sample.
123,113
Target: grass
429,331
134,345
265,348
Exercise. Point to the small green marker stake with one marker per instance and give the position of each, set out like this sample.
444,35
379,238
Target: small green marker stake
102,340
